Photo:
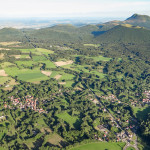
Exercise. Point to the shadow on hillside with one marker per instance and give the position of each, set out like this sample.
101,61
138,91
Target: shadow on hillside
97,33
142,115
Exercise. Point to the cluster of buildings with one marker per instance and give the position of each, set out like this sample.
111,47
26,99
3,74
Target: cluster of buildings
28,102
111,97
147,99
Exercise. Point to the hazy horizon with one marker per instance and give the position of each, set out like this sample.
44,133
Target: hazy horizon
70,8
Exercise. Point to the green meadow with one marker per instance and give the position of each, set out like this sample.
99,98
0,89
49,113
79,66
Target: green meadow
37,51
28,75
68,118
100,146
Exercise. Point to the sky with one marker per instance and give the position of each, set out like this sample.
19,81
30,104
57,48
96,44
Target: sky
73,8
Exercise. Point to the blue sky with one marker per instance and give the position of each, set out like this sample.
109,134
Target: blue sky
73,8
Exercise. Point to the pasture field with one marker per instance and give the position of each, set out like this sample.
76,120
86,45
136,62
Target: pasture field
69,83
39,58
30,70
84,68
37,51
92,45
100,146
7,64
100,58
67,76
28,75
68,118
63,78
32,77
26,63
25,56
95,58
48,64
4,79
36,61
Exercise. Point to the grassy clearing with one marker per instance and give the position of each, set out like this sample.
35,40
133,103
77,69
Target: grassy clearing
83,68
92,45
37,51
28,75
26,63
69,83
7,64
100,58
31,77
25,56
69,119
44,51
54,139
101,146
4,79
49,64
141,112
66,76
39,58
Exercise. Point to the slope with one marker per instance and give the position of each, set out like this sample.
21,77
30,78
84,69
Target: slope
11,34
125,34
139,20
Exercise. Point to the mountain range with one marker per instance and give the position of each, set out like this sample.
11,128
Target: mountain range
134,30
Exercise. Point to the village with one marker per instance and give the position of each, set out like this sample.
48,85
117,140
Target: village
127,133
27,102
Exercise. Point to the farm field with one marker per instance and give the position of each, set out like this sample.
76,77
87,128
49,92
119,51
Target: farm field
100,58
28,75
37,51
30,70
100,146
48,64
67,79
